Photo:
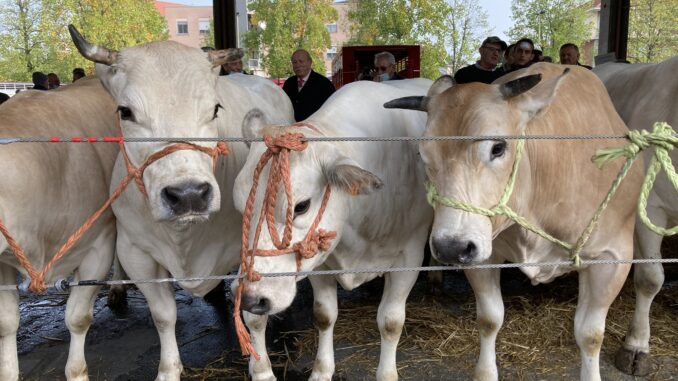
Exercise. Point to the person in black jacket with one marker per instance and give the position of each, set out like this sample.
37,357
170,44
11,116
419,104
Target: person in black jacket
485,69
307,89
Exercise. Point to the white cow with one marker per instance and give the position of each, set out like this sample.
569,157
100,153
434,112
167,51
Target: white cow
47,192
557,188
644,94
187,225
386,228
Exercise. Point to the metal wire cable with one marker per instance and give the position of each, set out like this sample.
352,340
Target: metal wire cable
63,284
11,140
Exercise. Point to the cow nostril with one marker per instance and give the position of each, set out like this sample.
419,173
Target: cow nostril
171,195
256,304
205,191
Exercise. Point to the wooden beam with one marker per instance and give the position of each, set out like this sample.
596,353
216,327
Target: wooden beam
225,31
614,30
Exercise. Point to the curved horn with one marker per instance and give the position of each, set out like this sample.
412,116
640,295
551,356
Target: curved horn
519,86
409,103
90,51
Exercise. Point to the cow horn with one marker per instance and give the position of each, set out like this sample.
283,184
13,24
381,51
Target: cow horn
90,51
409,103
519,86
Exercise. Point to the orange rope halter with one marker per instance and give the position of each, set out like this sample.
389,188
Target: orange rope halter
38,277
279,150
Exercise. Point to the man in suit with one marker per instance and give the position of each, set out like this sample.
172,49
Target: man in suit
307,89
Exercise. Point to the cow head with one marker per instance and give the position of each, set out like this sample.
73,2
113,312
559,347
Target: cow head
475,171
311,170
165,89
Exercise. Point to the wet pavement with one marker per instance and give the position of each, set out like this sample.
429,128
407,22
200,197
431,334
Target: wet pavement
124,345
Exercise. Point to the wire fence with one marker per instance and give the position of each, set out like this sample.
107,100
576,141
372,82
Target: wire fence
64,284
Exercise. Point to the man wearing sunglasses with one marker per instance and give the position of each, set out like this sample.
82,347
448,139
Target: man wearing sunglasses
484,70
384,66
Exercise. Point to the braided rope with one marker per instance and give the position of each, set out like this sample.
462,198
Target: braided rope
278,151
663,138
37,283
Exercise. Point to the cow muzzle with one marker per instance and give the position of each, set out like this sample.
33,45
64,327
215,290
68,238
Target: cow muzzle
255,304
190,198
454,251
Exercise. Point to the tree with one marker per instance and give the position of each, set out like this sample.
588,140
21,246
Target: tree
20,39
447,31
653,30
283,26
551,23
115,24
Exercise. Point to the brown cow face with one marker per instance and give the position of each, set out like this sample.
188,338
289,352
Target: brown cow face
476,171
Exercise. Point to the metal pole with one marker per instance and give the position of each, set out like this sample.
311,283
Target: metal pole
225,31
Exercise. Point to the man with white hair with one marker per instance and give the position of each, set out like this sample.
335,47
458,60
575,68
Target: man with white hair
233,62
384,65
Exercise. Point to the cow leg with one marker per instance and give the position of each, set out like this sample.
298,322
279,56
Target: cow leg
634,355
117,294
161,302
325,311
599,285
79,315
9,323
259,370
490,317
391,313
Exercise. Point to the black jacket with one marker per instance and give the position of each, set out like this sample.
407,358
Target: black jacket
315,92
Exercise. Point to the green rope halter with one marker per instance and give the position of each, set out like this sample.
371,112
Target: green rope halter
662,137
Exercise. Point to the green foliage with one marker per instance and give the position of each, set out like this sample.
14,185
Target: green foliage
653,30
449,32
208,38
284,26
38,38
551,23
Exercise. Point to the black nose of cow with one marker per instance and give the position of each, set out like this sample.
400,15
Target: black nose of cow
255,304
188,198
452,251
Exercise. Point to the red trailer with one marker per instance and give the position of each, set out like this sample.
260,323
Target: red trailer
354,60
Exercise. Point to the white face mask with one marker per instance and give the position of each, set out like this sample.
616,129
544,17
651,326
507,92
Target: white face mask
384,77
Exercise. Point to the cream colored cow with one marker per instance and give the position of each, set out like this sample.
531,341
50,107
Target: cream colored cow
47,192
186,225
644,94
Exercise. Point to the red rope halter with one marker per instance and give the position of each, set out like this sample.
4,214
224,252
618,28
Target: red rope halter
38,277
315,240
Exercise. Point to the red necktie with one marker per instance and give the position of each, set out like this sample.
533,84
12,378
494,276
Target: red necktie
300,82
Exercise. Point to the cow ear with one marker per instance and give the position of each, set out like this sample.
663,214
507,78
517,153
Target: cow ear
253,124
536,100
441,84
348,176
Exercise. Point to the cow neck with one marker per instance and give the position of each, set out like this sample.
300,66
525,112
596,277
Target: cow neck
278,151
138,172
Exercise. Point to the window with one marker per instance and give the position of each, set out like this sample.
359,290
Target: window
331,53
204,26
182,27
332,28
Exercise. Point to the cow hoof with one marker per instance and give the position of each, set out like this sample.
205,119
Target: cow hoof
633,363
264,377
320,377
117,299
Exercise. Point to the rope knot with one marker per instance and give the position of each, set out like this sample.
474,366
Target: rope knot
288,141
431,194
306,248
222,149
38,285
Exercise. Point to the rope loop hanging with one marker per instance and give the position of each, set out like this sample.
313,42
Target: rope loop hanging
277,152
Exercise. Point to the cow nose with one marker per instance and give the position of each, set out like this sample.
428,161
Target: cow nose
188,198
255,304
451,251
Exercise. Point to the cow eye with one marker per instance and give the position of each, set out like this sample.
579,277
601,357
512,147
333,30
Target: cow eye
302,207
125,113
216,111
498,149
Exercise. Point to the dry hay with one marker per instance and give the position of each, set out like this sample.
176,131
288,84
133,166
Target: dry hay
440,332
536,338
